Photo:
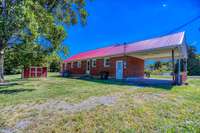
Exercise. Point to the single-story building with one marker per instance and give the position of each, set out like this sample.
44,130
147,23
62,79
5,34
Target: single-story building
122,61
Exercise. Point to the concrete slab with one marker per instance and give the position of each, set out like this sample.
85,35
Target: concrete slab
151,82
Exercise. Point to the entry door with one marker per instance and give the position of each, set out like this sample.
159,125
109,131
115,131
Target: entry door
119,69
88,67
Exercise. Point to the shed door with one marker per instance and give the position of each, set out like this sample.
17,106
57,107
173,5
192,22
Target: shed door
119,69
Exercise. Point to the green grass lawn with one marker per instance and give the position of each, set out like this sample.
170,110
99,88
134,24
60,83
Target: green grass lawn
161,77
60,104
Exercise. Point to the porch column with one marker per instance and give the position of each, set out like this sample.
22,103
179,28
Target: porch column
185,70
173,65
179,71
179,67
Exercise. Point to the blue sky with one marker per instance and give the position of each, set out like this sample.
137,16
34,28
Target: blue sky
117,21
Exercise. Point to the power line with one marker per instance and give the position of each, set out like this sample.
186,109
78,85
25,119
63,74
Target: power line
183,25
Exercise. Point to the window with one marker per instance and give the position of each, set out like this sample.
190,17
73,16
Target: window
79,64
75,64
94,62
106,62
72,64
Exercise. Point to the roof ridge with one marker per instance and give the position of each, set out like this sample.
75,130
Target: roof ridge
130,43
152,38
97,51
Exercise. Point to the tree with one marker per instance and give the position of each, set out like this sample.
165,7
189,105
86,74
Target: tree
157,65
25,55
11,61
193,61
23,21
54,62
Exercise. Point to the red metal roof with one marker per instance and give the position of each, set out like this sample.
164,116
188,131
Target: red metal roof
155,43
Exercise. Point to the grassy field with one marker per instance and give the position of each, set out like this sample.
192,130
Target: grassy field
59,104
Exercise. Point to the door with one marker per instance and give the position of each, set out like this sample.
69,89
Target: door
88,67
119,69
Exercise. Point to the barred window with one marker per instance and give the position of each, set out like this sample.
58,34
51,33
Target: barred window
106,62
79,64
94,62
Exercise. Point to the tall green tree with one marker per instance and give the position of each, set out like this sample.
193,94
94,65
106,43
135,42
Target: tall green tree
54,62
25,20
157,65
193,61
25,55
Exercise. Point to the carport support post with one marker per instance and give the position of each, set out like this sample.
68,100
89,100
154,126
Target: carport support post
186,65
173,65
179,71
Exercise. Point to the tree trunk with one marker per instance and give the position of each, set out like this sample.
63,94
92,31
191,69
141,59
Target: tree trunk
1,66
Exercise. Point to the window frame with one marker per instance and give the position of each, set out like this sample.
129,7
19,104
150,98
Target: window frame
105,62
94,60
78,64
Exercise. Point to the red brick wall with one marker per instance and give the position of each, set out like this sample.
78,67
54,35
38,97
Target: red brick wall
100,67
75,69
135,67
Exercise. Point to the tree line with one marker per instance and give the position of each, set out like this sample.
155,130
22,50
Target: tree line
193,64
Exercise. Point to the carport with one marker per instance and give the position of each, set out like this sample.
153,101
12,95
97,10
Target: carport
172,47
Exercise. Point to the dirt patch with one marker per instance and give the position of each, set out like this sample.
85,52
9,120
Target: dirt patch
51,107
158,97
20,125
23,124
88,104
150,96
55,105
6,130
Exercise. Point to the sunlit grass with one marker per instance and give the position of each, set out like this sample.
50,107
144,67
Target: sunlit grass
148,109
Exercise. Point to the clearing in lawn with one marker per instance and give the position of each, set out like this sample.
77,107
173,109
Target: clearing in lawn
59,104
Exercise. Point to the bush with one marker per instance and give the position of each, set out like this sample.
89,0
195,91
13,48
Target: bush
54,66
12,71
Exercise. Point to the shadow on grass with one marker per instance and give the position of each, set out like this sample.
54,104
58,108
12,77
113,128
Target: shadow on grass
15,79
15,91
55,76
140,83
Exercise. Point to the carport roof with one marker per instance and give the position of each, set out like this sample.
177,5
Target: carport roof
164,42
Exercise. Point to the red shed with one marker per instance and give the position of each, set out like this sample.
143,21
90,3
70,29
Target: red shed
34,72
